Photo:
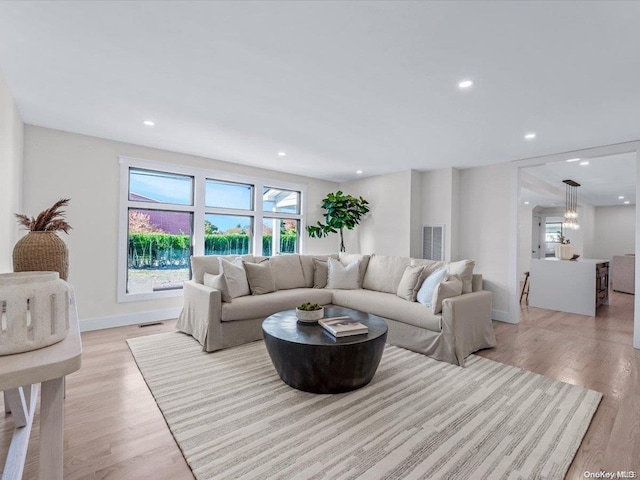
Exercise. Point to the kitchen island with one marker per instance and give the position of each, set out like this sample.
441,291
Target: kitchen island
574,286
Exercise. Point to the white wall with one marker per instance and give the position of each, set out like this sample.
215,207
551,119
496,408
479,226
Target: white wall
615,232
11,143
484,224
441,206
387,229
86,169
525,247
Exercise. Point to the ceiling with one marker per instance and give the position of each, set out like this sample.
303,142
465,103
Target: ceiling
602,181
337,86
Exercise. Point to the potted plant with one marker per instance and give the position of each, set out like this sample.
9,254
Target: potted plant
42,249
309,312
341,211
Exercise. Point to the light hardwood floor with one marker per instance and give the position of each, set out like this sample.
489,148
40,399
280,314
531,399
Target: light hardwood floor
113,428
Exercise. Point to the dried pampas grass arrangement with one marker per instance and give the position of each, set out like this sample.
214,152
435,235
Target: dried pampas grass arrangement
49,220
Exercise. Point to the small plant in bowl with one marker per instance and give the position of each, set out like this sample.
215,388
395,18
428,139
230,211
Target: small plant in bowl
309,312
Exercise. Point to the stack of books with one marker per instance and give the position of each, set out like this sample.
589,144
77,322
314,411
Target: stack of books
343,326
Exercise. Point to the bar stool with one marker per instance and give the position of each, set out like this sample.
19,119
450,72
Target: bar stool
525,288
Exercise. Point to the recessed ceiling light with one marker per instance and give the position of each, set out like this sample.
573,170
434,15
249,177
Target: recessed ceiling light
573,160
149,123
621,197
359,172
526,203
465,84
282,154
584,163
627,202
530,136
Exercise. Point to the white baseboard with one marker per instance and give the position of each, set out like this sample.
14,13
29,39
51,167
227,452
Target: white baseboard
129,319
501,316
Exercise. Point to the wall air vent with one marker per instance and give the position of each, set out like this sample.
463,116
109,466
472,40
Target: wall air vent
433,242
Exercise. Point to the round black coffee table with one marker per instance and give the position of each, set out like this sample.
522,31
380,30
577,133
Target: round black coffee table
311,359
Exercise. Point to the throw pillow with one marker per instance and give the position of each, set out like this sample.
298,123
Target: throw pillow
464,269
260,277
343,277
425,294
347,258
320,273
408,287
452,287
219,283
236,277
287,271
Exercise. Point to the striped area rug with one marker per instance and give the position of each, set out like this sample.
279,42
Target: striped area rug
233,417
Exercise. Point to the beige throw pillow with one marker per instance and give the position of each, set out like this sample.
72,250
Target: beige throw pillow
320,273
219,283
464,269
408,287
260,278
236,277
452,287
343,277
287,271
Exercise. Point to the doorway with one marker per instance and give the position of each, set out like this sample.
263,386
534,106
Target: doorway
589,244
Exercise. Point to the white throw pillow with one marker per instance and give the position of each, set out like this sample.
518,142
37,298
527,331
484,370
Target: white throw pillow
425,294
219,283
236,277
343,277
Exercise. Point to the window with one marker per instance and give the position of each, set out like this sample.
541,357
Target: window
170,212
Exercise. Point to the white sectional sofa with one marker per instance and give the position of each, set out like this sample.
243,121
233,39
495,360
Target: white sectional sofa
461,328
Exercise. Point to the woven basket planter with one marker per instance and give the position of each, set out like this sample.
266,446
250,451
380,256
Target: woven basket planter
41,252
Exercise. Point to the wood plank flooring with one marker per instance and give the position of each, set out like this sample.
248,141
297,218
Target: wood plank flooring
114,430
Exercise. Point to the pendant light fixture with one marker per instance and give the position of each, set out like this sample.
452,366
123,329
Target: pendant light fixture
571,208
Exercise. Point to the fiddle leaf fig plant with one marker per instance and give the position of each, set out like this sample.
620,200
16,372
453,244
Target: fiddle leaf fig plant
341,211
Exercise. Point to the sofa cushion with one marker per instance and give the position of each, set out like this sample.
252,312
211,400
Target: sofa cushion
387,305
219,283
308,267
260,277
408,287
347,258
463,268
425,294
341,276
244,308
384,273
210,264
430,266
287,271
452,287
320,273
235,276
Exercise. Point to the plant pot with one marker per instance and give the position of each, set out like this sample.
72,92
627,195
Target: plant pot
564,252
309,316
37,311
41,252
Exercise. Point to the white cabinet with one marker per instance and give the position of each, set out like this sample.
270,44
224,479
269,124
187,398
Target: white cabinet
574,286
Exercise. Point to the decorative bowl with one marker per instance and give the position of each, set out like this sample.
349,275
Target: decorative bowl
309,316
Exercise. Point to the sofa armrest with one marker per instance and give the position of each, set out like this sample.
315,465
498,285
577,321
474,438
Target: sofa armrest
201,314
467,318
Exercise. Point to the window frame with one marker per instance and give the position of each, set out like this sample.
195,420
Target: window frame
198,210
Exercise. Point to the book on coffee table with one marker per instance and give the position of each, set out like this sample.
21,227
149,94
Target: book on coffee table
343,326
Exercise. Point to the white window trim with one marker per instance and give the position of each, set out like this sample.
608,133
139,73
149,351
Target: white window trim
199,211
